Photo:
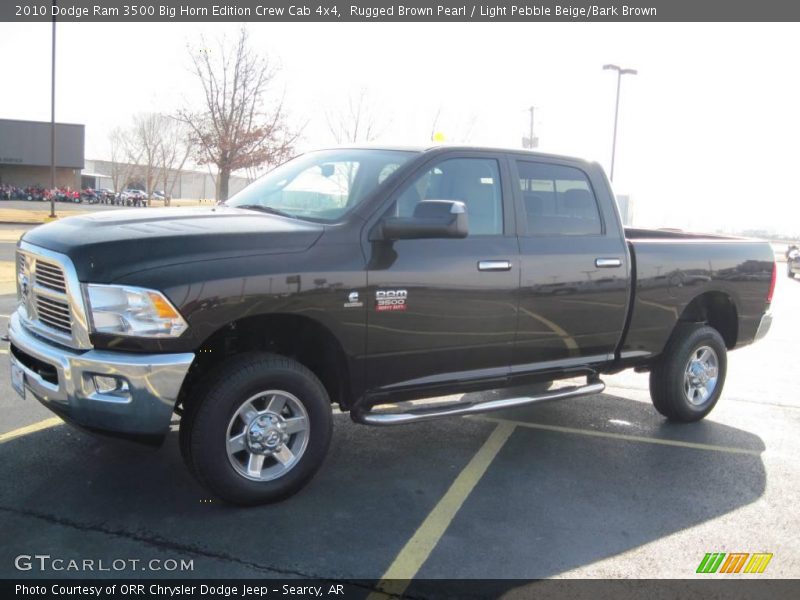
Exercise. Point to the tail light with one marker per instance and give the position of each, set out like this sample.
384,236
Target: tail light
772,282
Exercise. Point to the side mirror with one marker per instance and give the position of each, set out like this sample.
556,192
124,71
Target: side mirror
431,219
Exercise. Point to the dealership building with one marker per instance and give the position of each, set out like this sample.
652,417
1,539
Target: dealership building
25,162
179,183
25,153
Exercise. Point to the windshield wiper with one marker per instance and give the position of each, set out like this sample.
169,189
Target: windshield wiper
266,209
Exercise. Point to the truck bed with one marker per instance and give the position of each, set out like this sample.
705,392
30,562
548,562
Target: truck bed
638,233
672,269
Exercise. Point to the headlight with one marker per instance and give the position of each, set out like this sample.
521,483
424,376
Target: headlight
133,311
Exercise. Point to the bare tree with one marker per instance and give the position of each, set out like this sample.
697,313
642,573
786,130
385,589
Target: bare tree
460,131
434,125
173,152
236,128
146,137
355,122
123,158
468,125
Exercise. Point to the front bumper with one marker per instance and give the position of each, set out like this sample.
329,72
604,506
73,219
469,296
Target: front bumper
63,380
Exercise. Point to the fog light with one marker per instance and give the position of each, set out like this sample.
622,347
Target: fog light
106,385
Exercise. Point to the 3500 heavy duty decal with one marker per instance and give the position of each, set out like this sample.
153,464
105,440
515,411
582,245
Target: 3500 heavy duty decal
386,300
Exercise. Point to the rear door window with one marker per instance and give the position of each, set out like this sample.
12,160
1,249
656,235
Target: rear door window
557,200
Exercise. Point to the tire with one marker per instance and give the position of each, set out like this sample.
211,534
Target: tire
236,421
789,272
671,382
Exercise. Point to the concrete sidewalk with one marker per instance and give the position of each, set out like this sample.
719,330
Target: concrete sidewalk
40,211
15,216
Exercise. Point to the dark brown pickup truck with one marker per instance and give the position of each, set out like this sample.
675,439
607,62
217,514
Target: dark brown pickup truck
364,277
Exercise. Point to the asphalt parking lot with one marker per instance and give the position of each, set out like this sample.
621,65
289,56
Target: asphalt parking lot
598,487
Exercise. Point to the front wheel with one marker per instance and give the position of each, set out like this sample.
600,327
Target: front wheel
260,430
687,381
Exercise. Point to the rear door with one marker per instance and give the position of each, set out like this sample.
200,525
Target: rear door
445,310
574,266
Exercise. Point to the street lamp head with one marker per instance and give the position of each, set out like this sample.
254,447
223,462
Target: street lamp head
620,70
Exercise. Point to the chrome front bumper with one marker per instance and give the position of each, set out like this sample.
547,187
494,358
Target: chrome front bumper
64,381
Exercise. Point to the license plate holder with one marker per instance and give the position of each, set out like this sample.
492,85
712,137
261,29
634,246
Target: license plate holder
18,378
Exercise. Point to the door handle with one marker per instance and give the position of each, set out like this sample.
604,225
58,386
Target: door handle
607,263
494,265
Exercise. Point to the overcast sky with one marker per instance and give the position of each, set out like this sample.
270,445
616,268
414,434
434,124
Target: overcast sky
709,128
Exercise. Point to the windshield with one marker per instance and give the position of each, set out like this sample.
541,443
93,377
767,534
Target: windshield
321,185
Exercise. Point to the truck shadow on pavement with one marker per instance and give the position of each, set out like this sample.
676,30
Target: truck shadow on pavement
551,500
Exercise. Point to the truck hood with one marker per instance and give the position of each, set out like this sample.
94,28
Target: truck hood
105,246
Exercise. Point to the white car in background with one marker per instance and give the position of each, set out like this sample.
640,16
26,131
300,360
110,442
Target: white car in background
134,197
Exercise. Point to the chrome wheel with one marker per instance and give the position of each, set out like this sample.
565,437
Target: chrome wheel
267,435
700,375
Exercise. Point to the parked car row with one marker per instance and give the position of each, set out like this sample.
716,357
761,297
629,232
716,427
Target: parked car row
127,197
793,261
37,192
12,192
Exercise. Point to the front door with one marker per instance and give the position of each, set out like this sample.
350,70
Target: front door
445,310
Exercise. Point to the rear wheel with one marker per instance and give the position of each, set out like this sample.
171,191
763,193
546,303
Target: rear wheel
789,271
259,431
688,379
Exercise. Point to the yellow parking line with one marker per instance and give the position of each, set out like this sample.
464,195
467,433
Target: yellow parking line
416,551
33,428
3,350
620,436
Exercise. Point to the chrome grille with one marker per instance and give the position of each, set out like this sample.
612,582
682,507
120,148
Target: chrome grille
54,313
50,276
50,303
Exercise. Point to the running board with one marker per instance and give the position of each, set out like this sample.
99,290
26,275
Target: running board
471,408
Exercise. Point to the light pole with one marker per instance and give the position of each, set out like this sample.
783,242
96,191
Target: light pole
53,120
530,142
620,72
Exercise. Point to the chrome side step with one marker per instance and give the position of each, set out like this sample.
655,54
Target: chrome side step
470,408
